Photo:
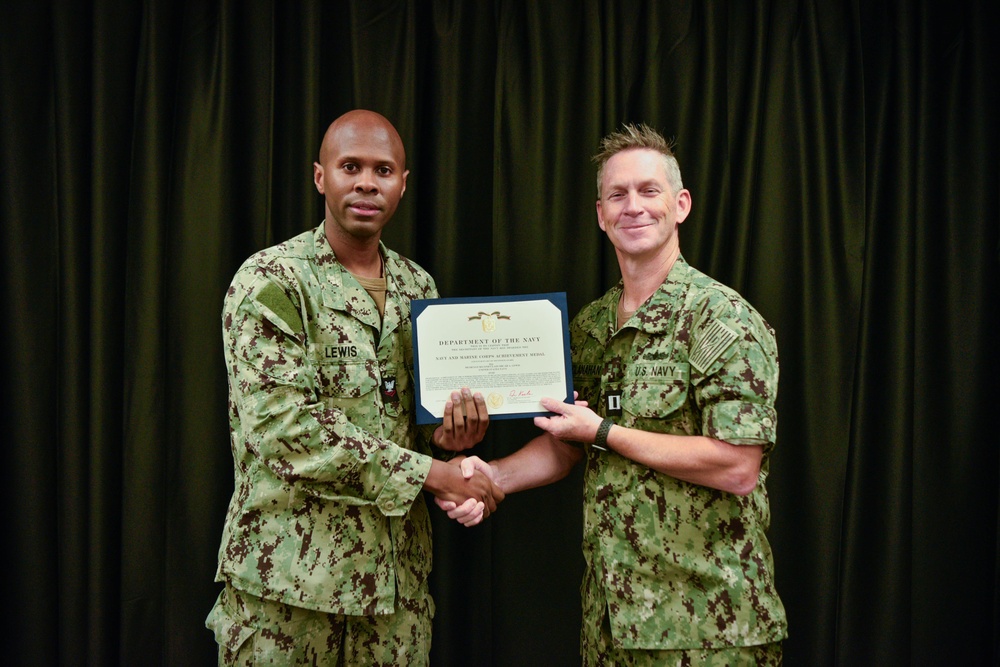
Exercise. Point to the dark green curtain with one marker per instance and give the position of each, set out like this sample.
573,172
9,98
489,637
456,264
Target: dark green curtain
843,163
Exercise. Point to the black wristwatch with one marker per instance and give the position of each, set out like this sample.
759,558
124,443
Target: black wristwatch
601,439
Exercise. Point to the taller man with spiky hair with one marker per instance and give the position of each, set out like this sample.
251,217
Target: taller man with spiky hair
677,377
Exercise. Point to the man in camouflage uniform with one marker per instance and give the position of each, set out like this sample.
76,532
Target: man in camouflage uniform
326,548
682,375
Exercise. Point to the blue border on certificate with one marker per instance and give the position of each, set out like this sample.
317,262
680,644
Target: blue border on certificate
558,299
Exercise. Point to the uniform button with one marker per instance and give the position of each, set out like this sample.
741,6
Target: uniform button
390,505
766,421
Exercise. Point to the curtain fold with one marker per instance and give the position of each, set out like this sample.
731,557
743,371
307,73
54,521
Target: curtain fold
842,159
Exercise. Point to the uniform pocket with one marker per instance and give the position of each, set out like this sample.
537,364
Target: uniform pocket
342,384
230,627
653,395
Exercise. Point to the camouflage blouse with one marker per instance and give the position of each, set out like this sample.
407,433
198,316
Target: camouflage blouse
327,512
678,565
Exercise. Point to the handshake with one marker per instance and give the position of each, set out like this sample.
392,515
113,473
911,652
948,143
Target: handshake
469,492
469,489
465,487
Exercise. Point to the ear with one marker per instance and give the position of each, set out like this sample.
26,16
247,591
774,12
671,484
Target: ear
600,217
683,205
318,176
405,174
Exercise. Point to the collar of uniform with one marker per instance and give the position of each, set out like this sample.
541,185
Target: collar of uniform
332,278
599,318
393,310
656,314
329,270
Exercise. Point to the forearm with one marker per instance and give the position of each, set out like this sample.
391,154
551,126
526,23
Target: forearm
544,460
318,450
691,458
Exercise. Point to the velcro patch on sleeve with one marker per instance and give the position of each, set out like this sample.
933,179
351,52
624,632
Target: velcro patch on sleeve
274,299
715,340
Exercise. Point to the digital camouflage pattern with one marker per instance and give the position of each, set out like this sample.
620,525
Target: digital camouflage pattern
678,565
253,631
604,652
327,512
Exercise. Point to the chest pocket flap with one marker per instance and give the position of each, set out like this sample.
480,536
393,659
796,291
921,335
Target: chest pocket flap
344,377
655,390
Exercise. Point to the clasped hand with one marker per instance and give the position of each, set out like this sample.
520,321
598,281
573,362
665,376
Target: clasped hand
570,423
463,425
471,512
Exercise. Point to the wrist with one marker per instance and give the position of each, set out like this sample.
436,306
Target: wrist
497,476
439,479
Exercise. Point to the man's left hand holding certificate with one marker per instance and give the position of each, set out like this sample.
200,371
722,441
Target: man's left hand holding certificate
513,350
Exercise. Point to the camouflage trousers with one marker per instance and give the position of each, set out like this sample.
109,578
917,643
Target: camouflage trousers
597,649
254,631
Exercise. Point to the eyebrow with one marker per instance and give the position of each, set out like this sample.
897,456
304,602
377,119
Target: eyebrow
639,186
379,160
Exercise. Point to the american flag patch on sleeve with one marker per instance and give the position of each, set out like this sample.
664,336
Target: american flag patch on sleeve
715,340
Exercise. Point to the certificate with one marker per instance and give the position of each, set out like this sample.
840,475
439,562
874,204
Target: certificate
514,350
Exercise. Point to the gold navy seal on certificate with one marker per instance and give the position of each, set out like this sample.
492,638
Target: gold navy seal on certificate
514,350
